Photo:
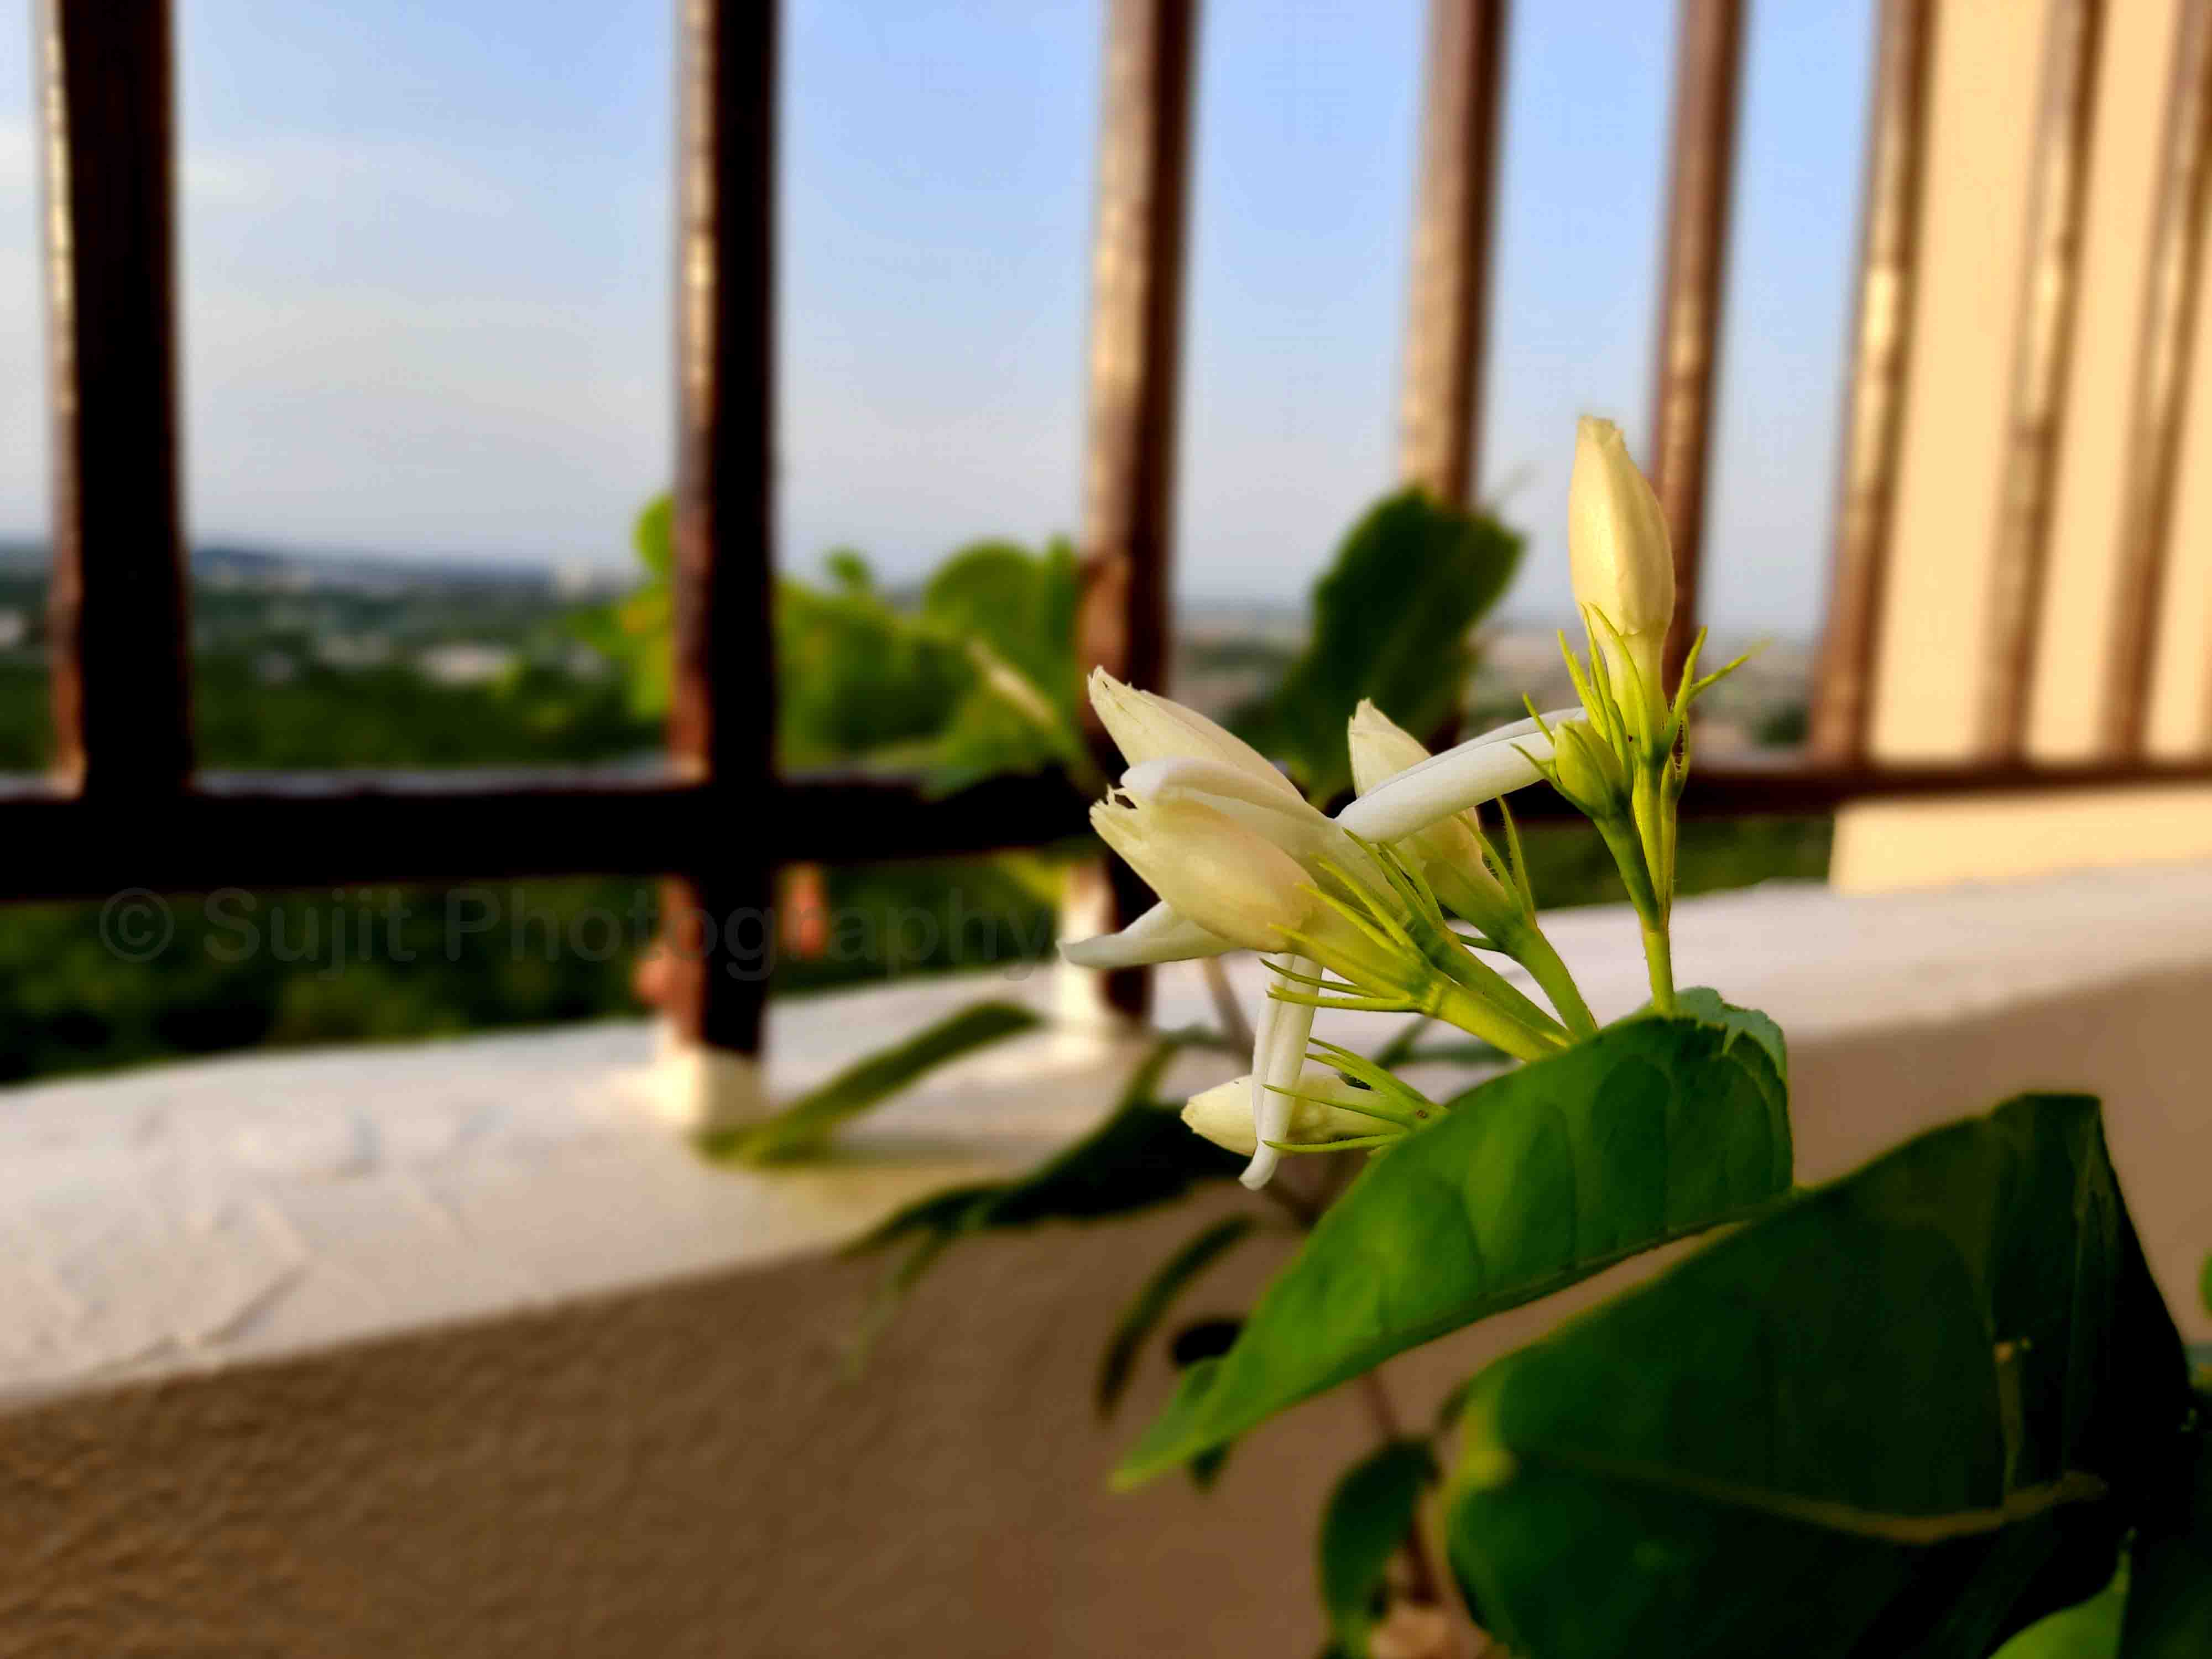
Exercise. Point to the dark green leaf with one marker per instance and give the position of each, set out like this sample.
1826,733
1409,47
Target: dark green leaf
1143,1315
2170,1599
803,1129
1702,1002
1367,1517
1391,621
1904,1415
1653,1129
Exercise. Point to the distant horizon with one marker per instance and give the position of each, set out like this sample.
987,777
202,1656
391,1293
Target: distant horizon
523,566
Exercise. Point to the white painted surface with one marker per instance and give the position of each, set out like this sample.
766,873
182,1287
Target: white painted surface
195,1216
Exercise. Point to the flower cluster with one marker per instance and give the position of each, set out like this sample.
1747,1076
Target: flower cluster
1358,910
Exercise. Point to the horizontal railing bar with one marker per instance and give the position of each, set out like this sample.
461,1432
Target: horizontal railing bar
352,828
349,828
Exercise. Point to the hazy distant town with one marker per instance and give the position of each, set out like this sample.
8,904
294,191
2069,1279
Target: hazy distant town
269,620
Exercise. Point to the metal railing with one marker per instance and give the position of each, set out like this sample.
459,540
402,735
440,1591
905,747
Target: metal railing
127,807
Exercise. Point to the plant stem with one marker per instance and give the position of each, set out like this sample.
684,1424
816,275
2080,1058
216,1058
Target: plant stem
1659,958
1528,947
1456,1004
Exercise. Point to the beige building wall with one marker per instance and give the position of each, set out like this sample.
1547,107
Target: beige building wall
1985,86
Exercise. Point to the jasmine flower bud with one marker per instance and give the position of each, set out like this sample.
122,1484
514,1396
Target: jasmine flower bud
1622,559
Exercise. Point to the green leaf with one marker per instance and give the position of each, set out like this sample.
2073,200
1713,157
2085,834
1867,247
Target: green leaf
854,676
2087,1630
653,537
1013,615
1019,603
1653,1129
803,1129
2204,1285
1143,1315
1367,1517
2170,1599
1905,1414
1703,1002
1391,621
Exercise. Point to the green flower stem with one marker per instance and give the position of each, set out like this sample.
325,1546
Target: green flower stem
1627,849
1659,958
1525,943
1456,1004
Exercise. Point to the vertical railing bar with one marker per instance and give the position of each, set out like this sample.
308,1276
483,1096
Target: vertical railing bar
1135,357
721,720
2163,365
1448,320
1874,421
122,714
1701,167
2043,361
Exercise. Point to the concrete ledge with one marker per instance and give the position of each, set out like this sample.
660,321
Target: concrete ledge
451,1349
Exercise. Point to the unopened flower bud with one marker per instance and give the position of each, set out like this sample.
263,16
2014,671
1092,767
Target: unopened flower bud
1448,855
1622,558
1222,1114
1588,773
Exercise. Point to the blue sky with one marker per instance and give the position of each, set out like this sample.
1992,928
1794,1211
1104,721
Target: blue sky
426,277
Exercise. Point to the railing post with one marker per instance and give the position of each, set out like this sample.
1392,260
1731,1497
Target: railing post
1448,321
1700,174
1135,355
722,722
2163,368
1873,419
2043,360
121,689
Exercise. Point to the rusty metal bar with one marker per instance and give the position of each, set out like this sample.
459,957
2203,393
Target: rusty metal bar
722,721
311,830
2163,365
121,695
1701,171
296,830
2042,361
1135,356
1873,423
1448,325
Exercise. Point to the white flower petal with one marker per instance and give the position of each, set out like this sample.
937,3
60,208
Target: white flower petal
1279,1057
1306,833
1482,768
1160,934
1145,727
